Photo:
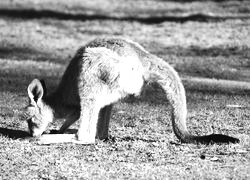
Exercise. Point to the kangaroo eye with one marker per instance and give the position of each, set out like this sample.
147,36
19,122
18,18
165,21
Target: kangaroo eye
25,116
32,123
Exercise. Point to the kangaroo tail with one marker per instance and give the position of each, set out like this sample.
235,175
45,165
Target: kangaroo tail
169,80
215,138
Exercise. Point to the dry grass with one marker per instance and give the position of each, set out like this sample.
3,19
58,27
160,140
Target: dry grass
142,145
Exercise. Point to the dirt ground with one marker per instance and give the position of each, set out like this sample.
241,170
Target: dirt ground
198,38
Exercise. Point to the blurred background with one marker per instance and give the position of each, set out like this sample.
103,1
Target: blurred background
199,38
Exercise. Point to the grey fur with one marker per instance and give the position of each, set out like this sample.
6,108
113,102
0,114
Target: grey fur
105,71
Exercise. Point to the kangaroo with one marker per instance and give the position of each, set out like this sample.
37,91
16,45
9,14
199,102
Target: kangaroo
101,73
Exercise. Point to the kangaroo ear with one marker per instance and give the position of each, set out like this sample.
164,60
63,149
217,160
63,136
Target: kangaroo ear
35,90
44,87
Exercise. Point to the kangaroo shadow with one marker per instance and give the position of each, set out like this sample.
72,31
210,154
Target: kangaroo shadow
14,134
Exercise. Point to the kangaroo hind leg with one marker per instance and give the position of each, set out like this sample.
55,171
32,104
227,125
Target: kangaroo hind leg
94,108
88,121
103,122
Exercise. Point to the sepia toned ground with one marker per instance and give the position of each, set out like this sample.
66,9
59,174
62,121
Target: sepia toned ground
200,39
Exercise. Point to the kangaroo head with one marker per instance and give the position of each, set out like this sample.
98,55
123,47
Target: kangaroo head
38,114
